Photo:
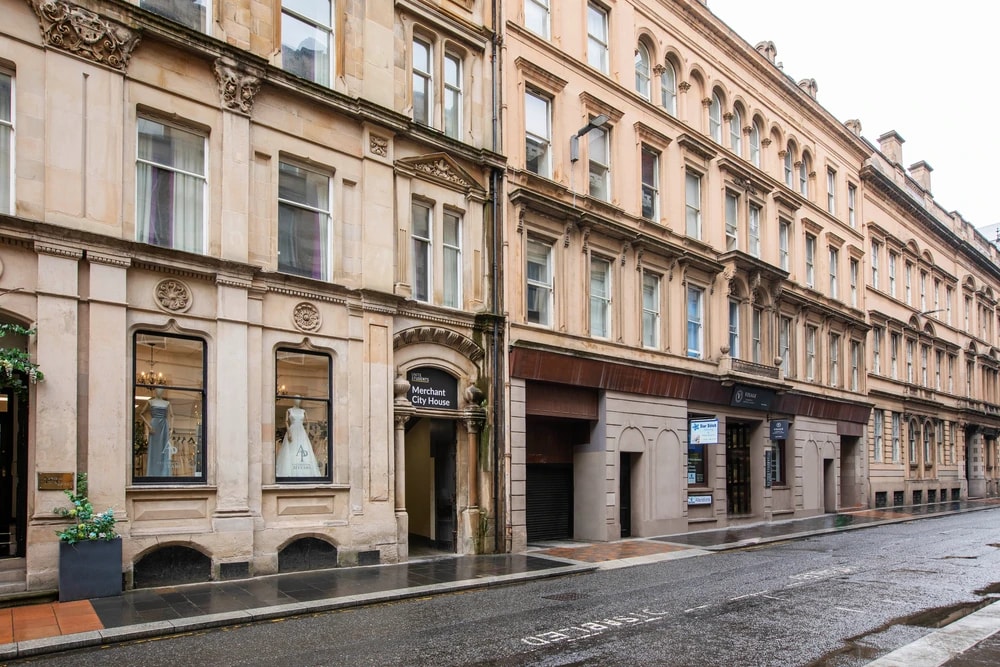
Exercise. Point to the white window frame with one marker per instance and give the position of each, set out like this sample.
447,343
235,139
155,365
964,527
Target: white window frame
600,298
788,164
451,260
597,44
650,176
755,144
422,245
879,431
834,357
650,310
668,88
545,141
876,251
756,335
894,340
785,344
692,204
734,329
811,333
834,260
753,230
732,224
7,118
543,286
895,426
855,365
852,203
695,308
643,72
784,236
599,173
854,269
736,132
160,8
893,263
810,260
831,191
325,215
453,95
715,118
877,350
426,77
537,17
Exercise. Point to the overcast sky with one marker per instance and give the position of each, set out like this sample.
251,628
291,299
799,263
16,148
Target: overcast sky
926,69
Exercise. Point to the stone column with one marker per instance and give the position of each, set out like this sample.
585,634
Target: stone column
402,411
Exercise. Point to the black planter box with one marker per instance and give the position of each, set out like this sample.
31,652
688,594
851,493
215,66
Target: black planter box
90,569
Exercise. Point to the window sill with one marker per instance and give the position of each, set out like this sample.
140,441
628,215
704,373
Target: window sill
160,487
305,486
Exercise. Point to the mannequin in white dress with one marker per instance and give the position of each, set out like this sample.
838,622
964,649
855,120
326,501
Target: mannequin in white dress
296,457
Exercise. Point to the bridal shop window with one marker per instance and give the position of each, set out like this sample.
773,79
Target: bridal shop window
302,416
168,425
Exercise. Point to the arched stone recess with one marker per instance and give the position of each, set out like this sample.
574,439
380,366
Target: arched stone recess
171,563
307,551
670,478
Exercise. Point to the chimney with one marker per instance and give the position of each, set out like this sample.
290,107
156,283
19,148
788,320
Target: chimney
768,50
809,85
854,125
921,173
891,145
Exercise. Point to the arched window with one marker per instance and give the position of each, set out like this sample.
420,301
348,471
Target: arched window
642,75
912,442
755,144
715,118
789,159
736,132
668,88
804,165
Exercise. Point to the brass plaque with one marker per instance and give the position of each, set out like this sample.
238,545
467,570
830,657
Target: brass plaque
55,481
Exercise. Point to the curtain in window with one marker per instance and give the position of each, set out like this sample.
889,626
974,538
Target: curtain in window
170,187
303,222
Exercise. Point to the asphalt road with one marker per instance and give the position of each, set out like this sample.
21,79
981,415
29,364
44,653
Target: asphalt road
836,600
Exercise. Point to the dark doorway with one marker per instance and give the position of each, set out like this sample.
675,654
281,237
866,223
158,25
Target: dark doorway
430,485
625,494
443,452
737,470
13,475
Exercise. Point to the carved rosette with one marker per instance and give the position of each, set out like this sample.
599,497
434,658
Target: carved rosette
306,317
173,295
84,33
237,86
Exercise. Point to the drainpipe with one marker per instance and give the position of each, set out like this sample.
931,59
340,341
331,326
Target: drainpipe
496,189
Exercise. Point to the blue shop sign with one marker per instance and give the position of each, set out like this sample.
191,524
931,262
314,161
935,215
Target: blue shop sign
779,429
756,398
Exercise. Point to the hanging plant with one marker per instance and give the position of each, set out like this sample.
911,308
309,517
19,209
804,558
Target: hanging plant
15,364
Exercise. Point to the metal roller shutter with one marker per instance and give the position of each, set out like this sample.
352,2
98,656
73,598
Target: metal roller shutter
549,506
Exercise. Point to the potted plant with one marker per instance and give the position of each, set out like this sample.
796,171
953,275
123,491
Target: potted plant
90,549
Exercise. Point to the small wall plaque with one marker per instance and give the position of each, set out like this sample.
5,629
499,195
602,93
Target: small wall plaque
55,481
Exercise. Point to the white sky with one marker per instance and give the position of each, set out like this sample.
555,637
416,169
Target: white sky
926,69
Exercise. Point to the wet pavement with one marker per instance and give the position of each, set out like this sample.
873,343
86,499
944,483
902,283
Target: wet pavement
51,627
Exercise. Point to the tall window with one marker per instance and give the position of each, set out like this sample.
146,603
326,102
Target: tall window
852,205
855,365
539,282
452,259
168,399
536,17
736,132
951,373
650,310
306,38
834,360
642,72
784,233
302,416
834,268
423,79
831,191
893,262
732,226
452,95
170,187
753,230
303,222
804,175
853,269
810,260
650,184
755,144
194,14
715,118
785,344
911,439
924,353
734,328
537,134
948,294
599,156
597,37
910,353
420,243
922,286
894,355
938,365
668,88
908,283
877,350
6,142
695,321
895,436
756,335
789,175
810,352
876,251
600,297
879,430
692,204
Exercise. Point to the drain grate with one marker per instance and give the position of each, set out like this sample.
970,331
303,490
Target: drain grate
565,597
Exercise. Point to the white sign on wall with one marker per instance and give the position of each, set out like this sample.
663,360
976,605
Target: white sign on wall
704,432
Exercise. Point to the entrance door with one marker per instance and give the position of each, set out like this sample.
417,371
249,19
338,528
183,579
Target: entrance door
430,485
737,470
625,494
13,470
443,451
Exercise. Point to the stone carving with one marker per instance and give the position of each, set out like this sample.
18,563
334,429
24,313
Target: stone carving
683,86
84,33
439,336
441,169
378,145
306,317
237,87
173,295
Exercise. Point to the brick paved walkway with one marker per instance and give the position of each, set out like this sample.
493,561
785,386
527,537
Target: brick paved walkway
47,620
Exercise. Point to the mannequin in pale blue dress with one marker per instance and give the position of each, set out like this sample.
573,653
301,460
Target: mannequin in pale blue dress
158,416
296,457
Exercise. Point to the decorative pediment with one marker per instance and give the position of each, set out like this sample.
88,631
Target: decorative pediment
83,33
440,168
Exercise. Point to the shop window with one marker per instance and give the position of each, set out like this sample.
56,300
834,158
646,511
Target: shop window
302,405
168,440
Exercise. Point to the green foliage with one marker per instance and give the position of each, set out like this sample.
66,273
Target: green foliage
87,525
15,364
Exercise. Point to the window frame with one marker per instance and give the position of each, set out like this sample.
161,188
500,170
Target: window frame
643,72
452,125
692,213
598,45
600,303
736,132
427,243
810,260
651,311
7,129
426,76
530,135
852,203
810,351
541,10
599,137
540,287
834,269
326,215
325,403
695,341
715,117
668,88
831,191
650,182
206,15
784,238
734,328
754,144
452,285
878,428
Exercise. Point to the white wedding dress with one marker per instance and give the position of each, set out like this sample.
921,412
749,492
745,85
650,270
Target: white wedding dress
296,457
